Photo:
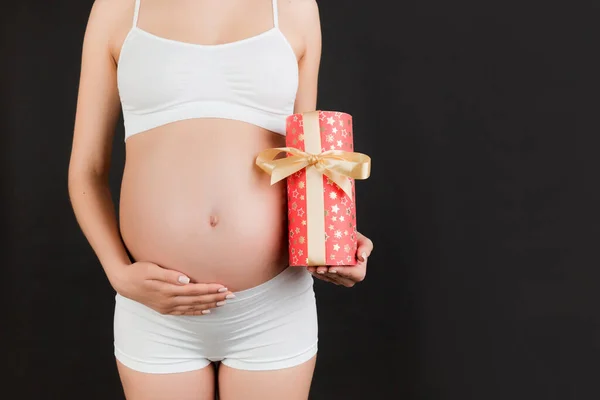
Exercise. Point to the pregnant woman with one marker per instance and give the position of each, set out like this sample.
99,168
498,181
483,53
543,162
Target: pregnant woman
198,255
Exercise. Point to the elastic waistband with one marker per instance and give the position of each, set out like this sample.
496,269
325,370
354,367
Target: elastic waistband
289,274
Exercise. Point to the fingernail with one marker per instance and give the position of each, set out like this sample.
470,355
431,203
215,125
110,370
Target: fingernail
363,256
183,279
221,303
320,272
230,296
222,290
332,271
205,311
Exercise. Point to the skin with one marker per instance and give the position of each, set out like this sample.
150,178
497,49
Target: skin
191,242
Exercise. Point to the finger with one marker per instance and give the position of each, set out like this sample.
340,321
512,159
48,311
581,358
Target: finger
354,273
198,289
200,300
197,312
202,309
190,289
166,275
325,278
190,312
332,273
365,247
158,273
341,280
312,269
321,269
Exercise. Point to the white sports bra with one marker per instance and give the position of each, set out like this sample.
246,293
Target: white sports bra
162,80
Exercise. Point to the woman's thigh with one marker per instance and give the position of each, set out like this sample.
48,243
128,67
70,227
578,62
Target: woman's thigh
291,383
193,385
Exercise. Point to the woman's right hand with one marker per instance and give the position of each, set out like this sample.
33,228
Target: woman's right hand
167,291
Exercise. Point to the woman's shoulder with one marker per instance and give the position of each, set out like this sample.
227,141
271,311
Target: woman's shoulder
108,23
303,14
112,14
301,8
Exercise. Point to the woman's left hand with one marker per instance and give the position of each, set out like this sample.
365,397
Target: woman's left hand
347,275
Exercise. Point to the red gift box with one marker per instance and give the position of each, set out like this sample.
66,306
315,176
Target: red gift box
320,168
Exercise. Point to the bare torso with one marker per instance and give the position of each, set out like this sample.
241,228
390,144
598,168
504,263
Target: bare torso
192,198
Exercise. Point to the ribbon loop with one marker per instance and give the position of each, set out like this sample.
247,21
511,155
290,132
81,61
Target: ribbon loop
337,165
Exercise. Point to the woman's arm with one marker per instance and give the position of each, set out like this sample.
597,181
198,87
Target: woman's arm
166,291
306,13
96,115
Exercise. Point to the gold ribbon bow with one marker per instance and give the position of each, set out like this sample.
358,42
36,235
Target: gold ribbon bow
337,165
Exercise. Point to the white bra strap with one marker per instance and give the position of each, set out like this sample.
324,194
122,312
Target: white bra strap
275,14
136,12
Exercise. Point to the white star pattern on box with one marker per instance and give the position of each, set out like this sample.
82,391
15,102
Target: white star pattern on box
335,133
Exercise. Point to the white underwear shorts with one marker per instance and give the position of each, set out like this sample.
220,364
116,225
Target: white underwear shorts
270,326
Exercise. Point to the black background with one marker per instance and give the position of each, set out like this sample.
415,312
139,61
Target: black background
482,122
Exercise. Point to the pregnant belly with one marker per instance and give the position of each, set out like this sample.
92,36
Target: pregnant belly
201,207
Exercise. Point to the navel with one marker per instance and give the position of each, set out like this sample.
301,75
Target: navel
214,220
